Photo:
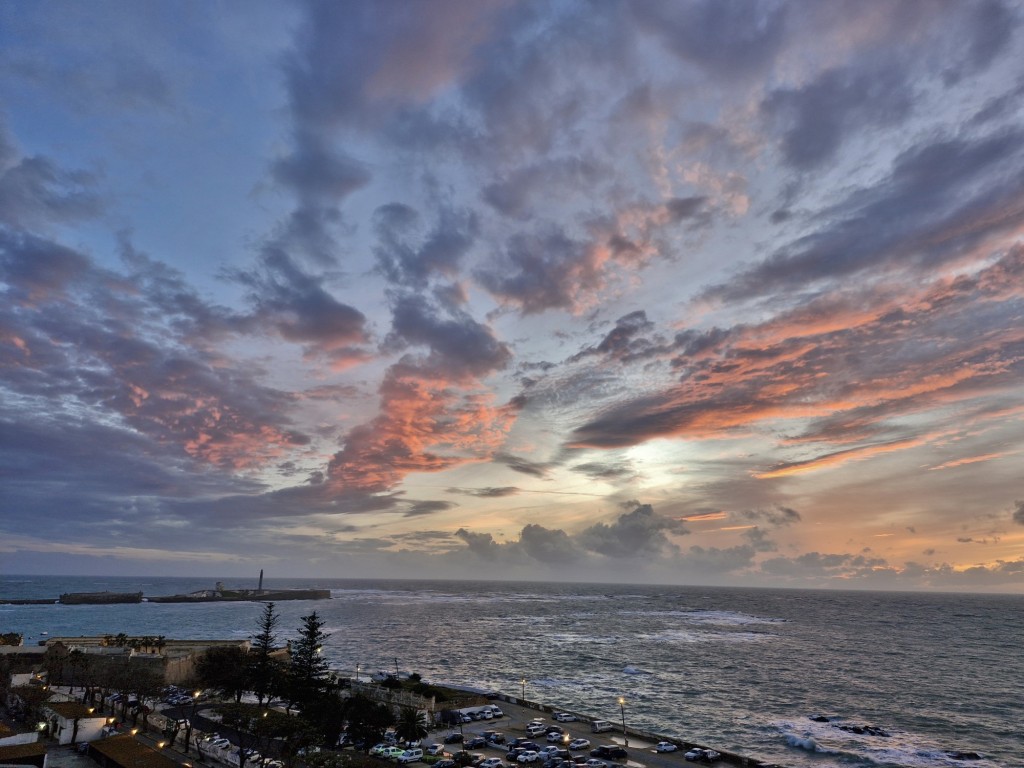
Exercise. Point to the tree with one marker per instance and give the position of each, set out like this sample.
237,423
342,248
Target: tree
412,724
367,720
309,670
262,663
226,670
147,684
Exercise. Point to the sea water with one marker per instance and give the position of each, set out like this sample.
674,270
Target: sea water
738,669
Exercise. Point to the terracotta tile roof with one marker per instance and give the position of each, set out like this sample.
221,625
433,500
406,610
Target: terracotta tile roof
125,751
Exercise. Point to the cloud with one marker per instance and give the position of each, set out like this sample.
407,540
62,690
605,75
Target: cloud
816,117
297,305
932,207
437,252
633,534
134,349
1018,512
776,515
486,493
726,38
434,412
548,546
523,466
35,191
459,347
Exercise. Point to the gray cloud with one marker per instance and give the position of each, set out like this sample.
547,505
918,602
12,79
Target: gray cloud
438,251
816,117
724,37
548,546
1018,512
35,191
298,306
523,466
939,198
633,534
459,346
776,515
486,493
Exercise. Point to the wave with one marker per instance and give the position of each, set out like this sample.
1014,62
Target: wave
807,743
629,669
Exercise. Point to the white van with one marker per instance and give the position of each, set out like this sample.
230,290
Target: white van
411,755
601,726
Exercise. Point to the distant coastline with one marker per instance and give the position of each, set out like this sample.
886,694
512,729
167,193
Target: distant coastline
218,594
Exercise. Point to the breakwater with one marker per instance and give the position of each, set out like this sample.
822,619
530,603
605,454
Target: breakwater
210,596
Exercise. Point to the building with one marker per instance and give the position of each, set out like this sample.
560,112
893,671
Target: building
124,751
70,722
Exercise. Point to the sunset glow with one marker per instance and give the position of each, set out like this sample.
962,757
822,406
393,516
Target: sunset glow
682,292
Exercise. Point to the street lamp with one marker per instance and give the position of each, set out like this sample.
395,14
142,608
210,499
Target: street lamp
523,681
357,673
622,709
189,724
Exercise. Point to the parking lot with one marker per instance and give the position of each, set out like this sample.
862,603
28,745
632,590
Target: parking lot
516,720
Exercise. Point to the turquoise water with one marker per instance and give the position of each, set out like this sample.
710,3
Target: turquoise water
739,669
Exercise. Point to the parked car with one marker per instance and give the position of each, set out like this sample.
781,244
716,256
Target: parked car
565,717
595,763
665,746
496,711
392,753
413,755
475,742
495,738
535,729
435,749
579,744
702,755
546,752
513,754
555,736
554,729
445,762
609,750
529,745
491,762
528,756
453,738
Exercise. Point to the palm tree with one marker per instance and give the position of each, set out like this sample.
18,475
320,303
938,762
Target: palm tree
412,724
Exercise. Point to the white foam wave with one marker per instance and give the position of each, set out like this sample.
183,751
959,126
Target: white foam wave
805,742
684,636
629,669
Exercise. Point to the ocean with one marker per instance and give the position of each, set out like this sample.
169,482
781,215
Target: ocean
738,669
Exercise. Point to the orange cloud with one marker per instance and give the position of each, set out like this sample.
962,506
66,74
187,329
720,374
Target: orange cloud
971,460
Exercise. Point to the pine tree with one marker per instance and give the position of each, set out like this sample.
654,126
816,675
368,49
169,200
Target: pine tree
309,669
262,664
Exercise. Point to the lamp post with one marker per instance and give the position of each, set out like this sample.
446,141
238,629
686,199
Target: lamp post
357,673
622,709
192,717
523,681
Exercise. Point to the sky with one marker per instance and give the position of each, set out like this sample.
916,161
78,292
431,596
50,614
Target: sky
710,292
